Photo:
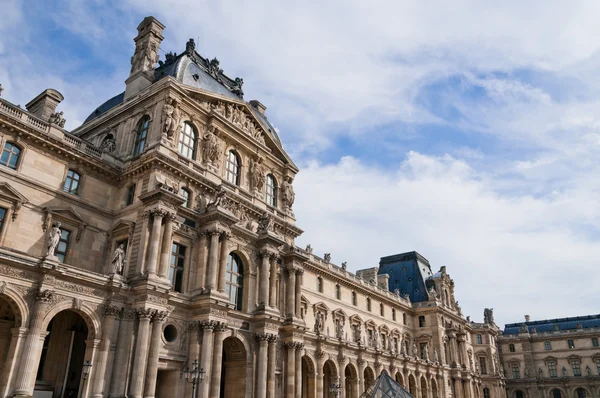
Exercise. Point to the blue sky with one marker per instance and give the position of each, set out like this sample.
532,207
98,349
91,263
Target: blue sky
465,130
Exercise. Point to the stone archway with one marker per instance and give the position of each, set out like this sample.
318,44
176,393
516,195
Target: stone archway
434,389
10,319
308,377
369,377
233,369
399,379
63,355
412,385
351,377
423,387
330,376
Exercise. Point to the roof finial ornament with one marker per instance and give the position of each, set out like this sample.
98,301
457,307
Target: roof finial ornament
190,46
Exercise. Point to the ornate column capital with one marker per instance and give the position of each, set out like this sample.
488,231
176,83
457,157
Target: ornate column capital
290,345
220,327
273,338
260,337
212,232
299,346
159,316
112,311
43,296
299,270
207,325
144,313
193,326
127,314
225,235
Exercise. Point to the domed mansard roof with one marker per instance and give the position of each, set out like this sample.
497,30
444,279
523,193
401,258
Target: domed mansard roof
191,69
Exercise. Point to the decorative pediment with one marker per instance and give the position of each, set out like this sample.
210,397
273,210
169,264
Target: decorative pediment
424,337
11,195
355,319
339,313
66,215
304,301
371,324
322,308
550,358
395,332
574,358
384,329
122,227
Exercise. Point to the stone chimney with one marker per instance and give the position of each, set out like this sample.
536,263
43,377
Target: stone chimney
258,106
527,318
145,57
44,105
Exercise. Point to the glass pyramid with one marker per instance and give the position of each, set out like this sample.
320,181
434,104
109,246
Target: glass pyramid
385,387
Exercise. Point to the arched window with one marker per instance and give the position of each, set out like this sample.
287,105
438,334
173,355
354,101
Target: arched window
511,347
188,141
186,194
581,393
595,342
72,182
486,392
233,168
10,155
368,304
141,136
271,193
319,284
234,284
353,298
519,394
338,292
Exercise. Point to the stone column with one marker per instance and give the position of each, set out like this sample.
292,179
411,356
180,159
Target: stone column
154,354
215,380
201,264
165,248
119,368
291,293
211,272
30,358
298,366
110,314
140,356
272,354
342,377
361,377
273,283
206,355
223,261
193,352
261,364
298,291
458,388
290,374
151,261
319,372
11,363
263,299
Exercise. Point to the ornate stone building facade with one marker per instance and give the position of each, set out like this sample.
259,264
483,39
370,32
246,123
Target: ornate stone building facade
161,231
552,358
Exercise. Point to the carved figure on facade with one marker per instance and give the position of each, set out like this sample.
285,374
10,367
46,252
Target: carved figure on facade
327,257
523,328
319,322
376,340
257,175
288,195
540,373
109,143
170,117
432,294
357,333
344,265
218,198
436,357
264,223
415,350
53,240
309,249
211,148
426,352
58,119
118,260
488,316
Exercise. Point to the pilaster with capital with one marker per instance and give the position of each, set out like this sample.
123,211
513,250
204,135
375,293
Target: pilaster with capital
158,318
299,274
141,352
167,241
272,358
154,245
273,281
110,314
263,298
291,293
31,356
206,353
213,253
298,368
261,364
118,379
290,376
201,261
215,383
225,236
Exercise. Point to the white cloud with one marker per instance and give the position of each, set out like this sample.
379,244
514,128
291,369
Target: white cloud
513,253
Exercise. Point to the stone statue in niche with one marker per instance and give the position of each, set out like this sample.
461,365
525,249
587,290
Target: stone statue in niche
436,357
377,339
415,350
357,333
58,119
540,373
53,240
108,143
339,327
170,117
426,350
319,322
564,371
288,195
118,260
257,174
211,149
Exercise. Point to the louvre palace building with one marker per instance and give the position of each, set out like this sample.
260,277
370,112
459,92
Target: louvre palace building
155,243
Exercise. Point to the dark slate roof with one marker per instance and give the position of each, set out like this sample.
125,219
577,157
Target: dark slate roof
408,272
547,325
105,107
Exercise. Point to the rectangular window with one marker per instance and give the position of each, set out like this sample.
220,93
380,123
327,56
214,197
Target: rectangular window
403,318
552,369
479,339
130,195
177,264
393,314
547,346
516,371
571,343
421,321
482,365
72,182
63,245
576,367
598,365
2,217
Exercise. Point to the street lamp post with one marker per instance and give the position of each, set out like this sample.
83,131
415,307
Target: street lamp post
334,389
194,375
87,367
